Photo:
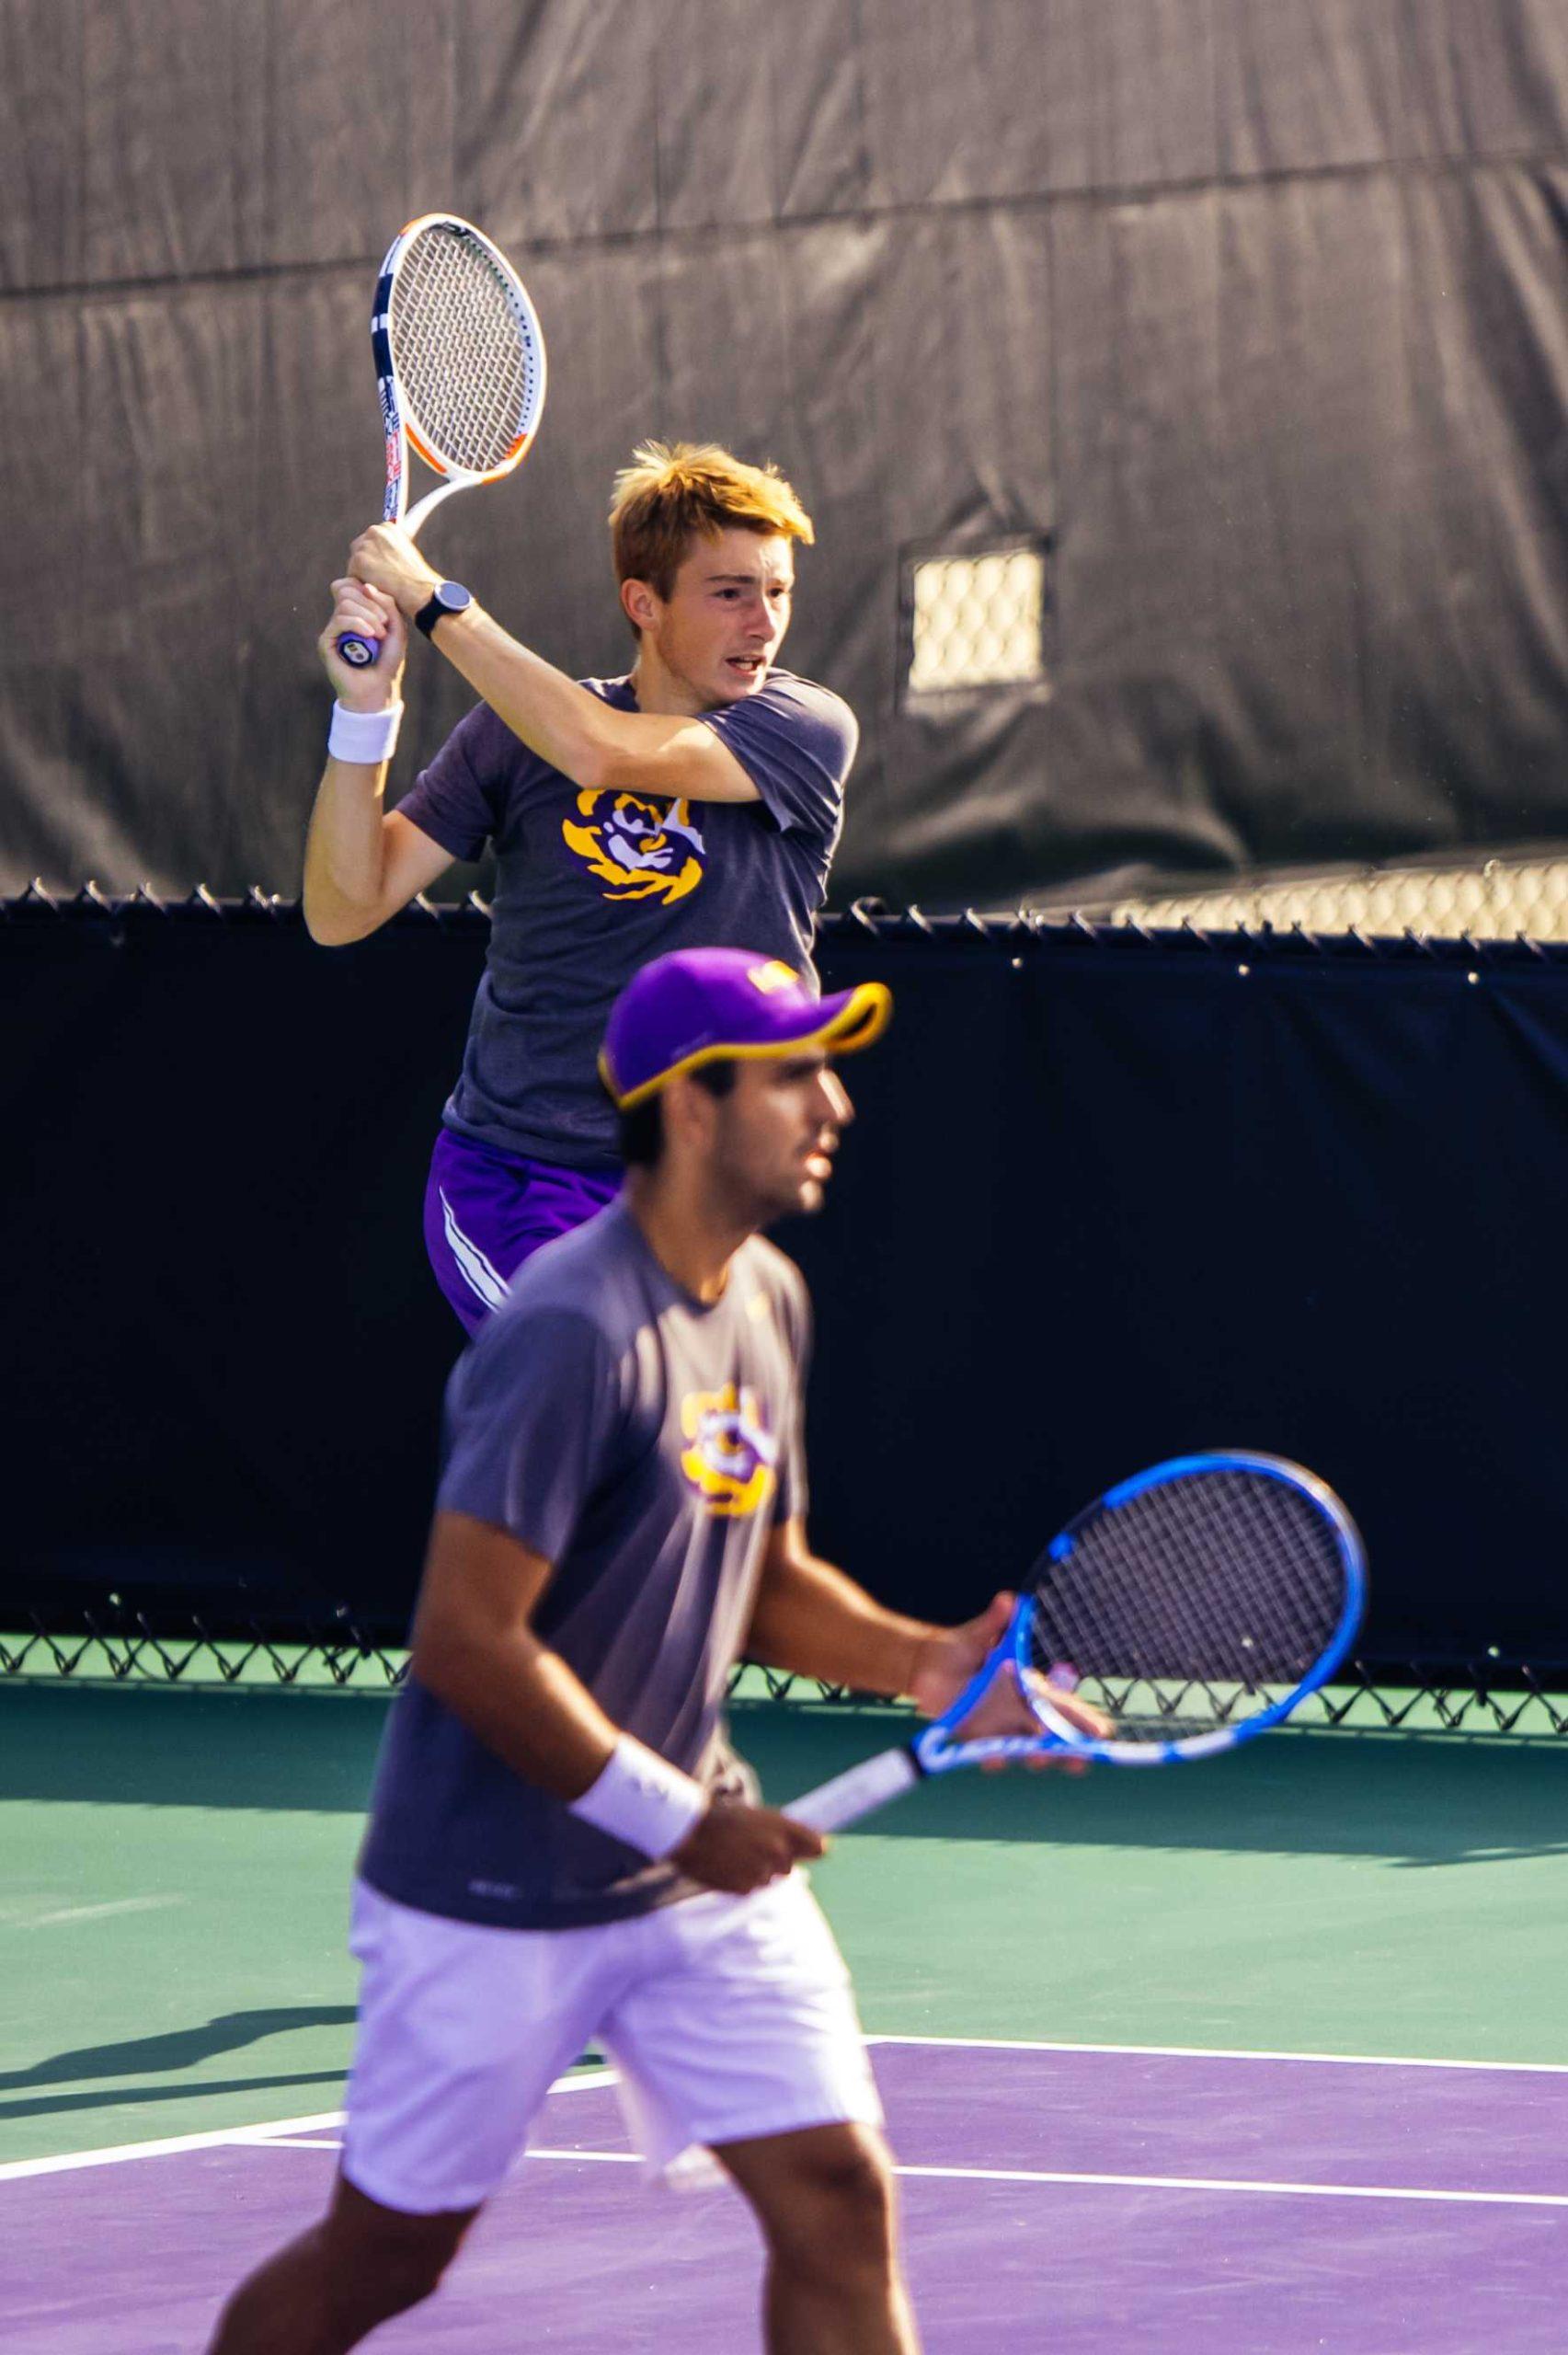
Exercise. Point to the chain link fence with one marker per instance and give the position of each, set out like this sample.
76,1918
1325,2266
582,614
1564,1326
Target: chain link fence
1480,1693
1502,914
1512,898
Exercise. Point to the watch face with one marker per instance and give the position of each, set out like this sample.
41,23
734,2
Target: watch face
446,597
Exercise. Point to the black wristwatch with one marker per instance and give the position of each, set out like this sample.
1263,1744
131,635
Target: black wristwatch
446,597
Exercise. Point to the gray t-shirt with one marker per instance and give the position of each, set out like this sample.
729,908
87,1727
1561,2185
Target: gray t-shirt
646,1445
590,887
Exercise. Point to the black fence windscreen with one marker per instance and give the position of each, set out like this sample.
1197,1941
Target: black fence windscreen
1106,1199
1248,319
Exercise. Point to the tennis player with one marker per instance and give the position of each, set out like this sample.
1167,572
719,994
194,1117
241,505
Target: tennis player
696,801
561,1845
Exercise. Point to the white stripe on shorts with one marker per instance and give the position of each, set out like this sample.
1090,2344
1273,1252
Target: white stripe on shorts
481,1277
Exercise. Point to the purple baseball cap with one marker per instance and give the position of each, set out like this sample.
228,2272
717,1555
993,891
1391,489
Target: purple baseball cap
704,1006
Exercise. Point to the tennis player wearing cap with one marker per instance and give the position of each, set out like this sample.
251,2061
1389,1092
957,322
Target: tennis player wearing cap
695,801
561,1845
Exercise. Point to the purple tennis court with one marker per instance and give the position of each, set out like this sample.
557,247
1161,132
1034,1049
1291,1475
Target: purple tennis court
1055,2196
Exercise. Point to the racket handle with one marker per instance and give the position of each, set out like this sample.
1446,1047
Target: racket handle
359,652
850,1796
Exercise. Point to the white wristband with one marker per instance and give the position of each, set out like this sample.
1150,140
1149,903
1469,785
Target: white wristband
366,736
642,1800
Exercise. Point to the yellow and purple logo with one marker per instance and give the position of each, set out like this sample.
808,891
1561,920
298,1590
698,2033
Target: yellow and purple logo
638,847
731,1457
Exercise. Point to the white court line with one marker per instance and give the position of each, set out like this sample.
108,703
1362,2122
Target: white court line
169,2147
12,2170
1166,2183
1242,2183
91,1912
1118,2182
1220,2052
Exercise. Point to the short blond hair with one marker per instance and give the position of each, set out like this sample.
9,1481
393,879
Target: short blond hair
672,491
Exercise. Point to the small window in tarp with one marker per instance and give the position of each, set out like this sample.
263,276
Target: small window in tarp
975,617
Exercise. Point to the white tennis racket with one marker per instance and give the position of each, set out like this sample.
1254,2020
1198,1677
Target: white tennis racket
459,362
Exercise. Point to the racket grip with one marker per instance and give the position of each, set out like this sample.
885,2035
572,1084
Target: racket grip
850,1796
359,652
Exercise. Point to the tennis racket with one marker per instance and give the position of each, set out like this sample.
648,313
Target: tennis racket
460,361
1195,1604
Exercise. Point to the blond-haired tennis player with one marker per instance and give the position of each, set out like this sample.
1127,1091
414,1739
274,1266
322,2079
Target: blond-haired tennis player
694,802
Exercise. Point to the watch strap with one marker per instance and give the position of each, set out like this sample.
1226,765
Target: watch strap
436,608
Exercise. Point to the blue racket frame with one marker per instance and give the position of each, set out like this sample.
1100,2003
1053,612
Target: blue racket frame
936,1751
1176,1467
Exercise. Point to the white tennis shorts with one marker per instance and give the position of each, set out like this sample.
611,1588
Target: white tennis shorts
728,2017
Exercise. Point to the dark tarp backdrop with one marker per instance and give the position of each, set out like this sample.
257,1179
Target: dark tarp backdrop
1107,1199
1253,313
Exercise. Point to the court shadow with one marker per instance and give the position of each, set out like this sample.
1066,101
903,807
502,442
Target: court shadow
180,2048
124,2098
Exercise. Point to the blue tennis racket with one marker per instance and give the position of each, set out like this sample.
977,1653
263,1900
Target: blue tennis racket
1194,1605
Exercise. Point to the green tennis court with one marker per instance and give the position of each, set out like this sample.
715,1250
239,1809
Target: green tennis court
180,1861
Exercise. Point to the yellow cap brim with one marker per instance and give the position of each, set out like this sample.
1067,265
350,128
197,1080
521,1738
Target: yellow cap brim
858,1021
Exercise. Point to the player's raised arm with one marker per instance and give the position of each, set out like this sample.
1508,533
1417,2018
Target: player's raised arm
363,862
704,552
574,730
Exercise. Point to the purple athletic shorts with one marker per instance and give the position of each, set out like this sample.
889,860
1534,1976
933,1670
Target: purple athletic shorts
486,1211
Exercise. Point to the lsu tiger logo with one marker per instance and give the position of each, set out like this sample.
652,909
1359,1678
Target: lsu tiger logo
639,848
731,1457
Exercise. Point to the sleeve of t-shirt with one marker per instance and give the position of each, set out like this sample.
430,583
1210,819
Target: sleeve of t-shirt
795,741
460,799
532,1415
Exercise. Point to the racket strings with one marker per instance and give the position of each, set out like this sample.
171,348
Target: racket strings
464,358
1195,1604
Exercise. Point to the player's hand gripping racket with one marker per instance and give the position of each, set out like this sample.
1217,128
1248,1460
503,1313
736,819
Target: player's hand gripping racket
460,360
1194,1605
